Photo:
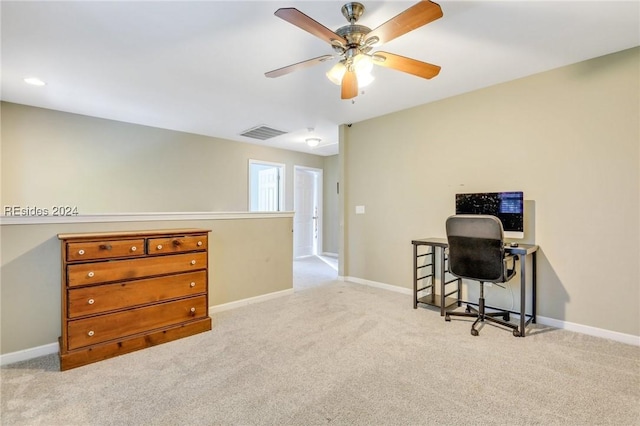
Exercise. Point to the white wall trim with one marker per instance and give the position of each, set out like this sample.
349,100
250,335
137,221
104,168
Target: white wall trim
629,339
329,254
27,354
376,284
334,267
52,348
244,302
139,217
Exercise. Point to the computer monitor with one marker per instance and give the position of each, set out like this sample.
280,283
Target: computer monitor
506,206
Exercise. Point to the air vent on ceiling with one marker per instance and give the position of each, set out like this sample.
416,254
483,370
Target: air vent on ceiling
262,132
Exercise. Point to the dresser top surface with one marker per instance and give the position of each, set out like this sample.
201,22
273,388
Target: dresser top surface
128,234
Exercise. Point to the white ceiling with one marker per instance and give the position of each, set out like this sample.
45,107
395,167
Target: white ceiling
199,67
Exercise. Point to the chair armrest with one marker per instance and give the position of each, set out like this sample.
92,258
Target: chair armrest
509,272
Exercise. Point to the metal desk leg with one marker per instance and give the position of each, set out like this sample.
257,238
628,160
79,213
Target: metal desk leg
415,276
442,281
533,287
432,250
523,289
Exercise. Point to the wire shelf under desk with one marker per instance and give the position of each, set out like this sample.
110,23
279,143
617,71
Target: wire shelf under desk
448,301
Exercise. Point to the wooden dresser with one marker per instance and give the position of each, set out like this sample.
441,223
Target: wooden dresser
125,291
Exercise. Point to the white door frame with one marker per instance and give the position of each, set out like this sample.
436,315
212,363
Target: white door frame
318,191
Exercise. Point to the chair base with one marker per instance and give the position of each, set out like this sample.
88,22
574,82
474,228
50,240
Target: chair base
482,316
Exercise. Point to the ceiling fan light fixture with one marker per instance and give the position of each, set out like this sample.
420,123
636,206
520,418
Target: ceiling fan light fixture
362,63
312,142
336,73
364,79
354,42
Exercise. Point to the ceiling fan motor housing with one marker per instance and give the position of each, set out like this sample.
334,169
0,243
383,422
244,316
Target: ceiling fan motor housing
353,11
354,34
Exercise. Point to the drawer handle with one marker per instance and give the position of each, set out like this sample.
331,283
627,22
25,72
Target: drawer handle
90,274
91,301
176,243
105,246
134,248
81,252
192,284
90,333
193,262
193,310
159,247
199,243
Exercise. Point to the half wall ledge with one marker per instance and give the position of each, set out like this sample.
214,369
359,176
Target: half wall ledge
139,217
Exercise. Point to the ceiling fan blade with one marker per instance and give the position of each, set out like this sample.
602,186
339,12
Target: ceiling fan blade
349,87
414,17
295,67
300,20
408,65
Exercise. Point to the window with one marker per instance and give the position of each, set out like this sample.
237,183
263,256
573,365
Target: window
266,186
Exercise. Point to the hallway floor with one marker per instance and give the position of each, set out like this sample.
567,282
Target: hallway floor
313,271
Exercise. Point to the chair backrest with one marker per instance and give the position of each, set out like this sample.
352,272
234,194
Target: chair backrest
476,247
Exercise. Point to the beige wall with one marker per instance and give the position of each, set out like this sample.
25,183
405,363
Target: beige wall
330,205
103,166
106,167
568,138
248,257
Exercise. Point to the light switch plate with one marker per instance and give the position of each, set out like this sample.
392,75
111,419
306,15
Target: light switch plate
359,209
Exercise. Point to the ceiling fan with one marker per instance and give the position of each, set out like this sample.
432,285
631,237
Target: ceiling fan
353,44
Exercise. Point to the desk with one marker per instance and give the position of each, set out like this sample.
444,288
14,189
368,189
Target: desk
443,300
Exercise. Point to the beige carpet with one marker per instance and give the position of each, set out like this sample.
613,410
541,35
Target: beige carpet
338,353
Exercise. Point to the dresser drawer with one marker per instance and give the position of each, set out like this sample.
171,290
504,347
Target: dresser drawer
90,331
109,297
119,270
92,250
176,244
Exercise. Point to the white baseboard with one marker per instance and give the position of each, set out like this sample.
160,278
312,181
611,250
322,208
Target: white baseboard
244,302
52,348
334,267
26,354
629,339
376,284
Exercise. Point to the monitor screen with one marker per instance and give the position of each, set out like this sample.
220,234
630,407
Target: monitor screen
506,206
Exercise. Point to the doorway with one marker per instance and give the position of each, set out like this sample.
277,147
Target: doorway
266,186
307,220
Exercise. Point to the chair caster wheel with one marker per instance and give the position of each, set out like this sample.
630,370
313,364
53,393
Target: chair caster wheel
474,332
516,333
506,317
467,310
447,318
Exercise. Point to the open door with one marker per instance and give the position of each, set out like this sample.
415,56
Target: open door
307,221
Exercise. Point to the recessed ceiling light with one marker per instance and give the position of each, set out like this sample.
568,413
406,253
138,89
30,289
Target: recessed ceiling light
34,81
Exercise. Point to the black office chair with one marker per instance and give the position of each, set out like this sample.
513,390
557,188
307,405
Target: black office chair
476,252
